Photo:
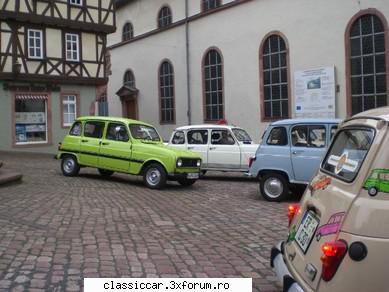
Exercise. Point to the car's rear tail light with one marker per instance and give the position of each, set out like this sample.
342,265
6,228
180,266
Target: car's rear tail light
292,210
251,160
59,146
333,254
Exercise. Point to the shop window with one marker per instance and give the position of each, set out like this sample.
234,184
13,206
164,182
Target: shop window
30,119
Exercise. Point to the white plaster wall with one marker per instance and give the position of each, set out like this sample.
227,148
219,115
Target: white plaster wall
144,60
314,31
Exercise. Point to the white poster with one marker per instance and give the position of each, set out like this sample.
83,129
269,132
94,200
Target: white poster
315,93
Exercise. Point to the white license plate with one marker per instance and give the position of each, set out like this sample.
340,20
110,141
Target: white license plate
192,175
306,230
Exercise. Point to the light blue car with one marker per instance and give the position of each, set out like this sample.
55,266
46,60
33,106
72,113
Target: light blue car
290,154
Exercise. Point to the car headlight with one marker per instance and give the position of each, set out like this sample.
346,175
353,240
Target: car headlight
179,162
198,163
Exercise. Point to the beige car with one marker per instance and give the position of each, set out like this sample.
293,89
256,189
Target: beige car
338,235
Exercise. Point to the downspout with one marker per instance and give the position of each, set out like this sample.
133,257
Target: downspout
189,113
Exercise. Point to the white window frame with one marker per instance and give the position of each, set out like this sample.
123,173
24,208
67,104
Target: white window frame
76,2
66,102
74,39
31,41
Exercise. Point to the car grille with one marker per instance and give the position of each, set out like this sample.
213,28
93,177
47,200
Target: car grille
186,162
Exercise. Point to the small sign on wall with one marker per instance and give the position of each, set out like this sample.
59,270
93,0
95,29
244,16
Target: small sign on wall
315,93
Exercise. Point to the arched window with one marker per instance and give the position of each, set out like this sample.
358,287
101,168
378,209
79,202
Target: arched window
367,64
210,4
166,92
164,17
128,32
275,72
213,86
129,79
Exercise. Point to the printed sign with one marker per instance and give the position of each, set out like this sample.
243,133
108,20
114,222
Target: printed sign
315,93
30,117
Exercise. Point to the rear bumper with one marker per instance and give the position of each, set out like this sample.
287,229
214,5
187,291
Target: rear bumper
277,262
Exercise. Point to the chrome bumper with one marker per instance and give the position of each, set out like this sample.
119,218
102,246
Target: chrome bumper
278,264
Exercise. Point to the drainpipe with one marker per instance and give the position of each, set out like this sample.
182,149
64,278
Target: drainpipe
189,114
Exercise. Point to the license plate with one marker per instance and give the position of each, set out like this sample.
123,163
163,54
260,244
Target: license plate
306,230
192,175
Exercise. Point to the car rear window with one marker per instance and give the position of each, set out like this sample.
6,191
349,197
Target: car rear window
348,151
278,137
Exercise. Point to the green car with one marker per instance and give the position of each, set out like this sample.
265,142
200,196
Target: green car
378,181
129,146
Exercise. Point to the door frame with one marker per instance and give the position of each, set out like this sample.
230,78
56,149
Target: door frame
125,99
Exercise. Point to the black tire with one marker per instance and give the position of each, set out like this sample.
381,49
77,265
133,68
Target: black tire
372,191
186,182
274,187
154,176
105,172
70,166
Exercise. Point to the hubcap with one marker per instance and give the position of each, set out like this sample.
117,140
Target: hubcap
153,176
69,165
273,187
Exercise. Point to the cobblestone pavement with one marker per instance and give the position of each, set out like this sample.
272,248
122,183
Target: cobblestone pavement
55,231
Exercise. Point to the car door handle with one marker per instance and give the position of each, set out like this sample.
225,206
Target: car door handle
297,152
212,148
190,148
84,141
104,143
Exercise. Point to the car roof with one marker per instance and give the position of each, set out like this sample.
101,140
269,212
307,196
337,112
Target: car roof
381,113
206,126
307,121
112,119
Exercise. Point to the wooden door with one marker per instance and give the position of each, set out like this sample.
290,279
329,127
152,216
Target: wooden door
131,107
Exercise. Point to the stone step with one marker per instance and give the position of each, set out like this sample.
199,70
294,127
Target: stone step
8,177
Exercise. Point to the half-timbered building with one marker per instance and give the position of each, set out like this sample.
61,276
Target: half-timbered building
52,67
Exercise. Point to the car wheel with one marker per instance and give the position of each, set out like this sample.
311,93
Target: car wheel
155,176
105,172
274,187
186,182
70,166
372,191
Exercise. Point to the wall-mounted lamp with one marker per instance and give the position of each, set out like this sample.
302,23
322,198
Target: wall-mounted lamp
17,67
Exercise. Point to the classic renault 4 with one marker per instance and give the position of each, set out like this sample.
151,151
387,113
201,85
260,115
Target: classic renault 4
221,147
338,235
129,146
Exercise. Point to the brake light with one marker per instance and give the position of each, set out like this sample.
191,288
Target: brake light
59,146
251,160
333,254
292,210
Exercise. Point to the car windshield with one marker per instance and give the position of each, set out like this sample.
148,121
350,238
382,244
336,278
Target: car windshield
144,132
241,135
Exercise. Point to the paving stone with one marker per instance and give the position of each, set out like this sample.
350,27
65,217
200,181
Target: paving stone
57,230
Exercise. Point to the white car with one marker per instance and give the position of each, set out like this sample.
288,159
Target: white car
221,147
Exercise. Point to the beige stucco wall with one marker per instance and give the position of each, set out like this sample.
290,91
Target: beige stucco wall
314,31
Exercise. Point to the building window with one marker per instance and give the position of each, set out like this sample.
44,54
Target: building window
210,4
275,73
75,2
30,119
166,89
72,41
69,110
129,79
213,86
35,44
367,64
128,32
164,17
